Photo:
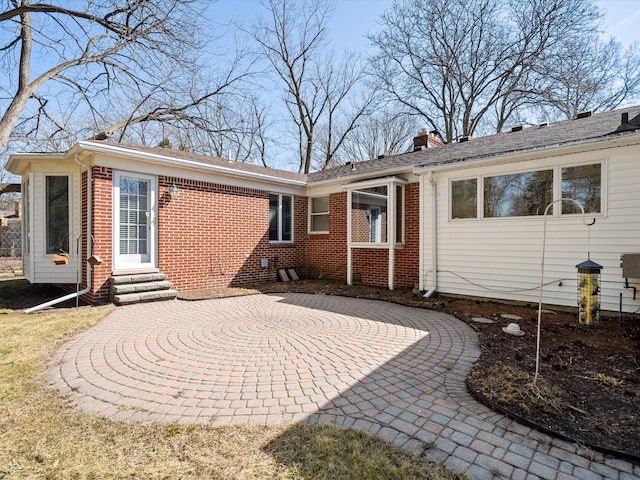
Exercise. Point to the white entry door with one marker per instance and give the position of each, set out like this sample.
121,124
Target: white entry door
135,230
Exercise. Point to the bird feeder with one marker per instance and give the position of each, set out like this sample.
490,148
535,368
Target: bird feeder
589,292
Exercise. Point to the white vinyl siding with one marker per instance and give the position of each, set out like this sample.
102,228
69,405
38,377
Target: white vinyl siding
501,257
27,226
41,263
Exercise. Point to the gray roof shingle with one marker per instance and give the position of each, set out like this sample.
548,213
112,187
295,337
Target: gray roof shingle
541,136
215,161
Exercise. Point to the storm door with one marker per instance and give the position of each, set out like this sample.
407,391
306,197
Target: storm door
134,221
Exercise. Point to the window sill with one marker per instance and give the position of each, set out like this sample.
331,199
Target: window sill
282,244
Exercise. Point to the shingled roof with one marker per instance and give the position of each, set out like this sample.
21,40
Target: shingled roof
606,124
212,161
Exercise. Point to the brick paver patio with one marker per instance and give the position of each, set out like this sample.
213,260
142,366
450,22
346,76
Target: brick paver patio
394,371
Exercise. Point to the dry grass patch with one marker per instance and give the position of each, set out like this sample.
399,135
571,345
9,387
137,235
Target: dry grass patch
507,385
43,436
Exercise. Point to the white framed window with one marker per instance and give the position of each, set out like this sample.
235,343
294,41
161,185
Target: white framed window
582,183
376,212
464,198
518,194
526,194
280,218
319,215
57,213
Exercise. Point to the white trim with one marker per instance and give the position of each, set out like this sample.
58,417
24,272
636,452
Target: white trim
375,182
392,221
32,253
118,263
556,170
311,214
166,160
45,232
280,219
421,206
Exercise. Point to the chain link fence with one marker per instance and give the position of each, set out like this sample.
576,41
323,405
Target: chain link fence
10,248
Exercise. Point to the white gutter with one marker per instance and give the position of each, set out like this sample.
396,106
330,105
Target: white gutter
78,293
434,236
176,162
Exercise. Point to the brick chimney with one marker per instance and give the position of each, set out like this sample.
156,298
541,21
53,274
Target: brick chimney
426,140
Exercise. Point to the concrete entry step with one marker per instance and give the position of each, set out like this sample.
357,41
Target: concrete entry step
140,297
139,287
141,278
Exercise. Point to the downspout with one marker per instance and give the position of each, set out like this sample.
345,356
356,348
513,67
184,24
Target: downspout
434,236
77,293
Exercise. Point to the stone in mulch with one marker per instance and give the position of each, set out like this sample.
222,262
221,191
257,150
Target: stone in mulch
510,316
481,320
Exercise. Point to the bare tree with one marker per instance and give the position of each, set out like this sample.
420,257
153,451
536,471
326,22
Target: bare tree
118,49
236,129
464,65
589,74
317,90
340,119
384,133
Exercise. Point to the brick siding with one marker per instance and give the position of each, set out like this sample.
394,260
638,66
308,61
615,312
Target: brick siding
213,235
216,236
208,236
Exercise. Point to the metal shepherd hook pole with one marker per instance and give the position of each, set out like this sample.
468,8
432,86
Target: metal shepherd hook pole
544,235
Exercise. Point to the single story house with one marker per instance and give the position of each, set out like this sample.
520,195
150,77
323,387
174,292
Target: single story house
462,218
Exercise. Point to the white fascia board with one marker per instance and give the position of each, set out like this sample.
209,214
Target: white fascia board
176,162
18,162
375,181
406,170
536,153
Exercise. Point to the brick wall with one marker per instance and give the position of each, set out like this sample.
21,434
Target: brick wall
327,253
209,236
102,226
215,236
407,259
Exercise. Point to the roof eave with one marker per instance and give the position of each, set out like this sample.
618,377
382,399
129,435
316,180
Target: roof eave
405,169
18,162
533,153
181,163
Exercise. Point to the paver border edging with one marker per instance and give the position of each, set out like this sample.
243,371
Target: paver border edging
529,423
